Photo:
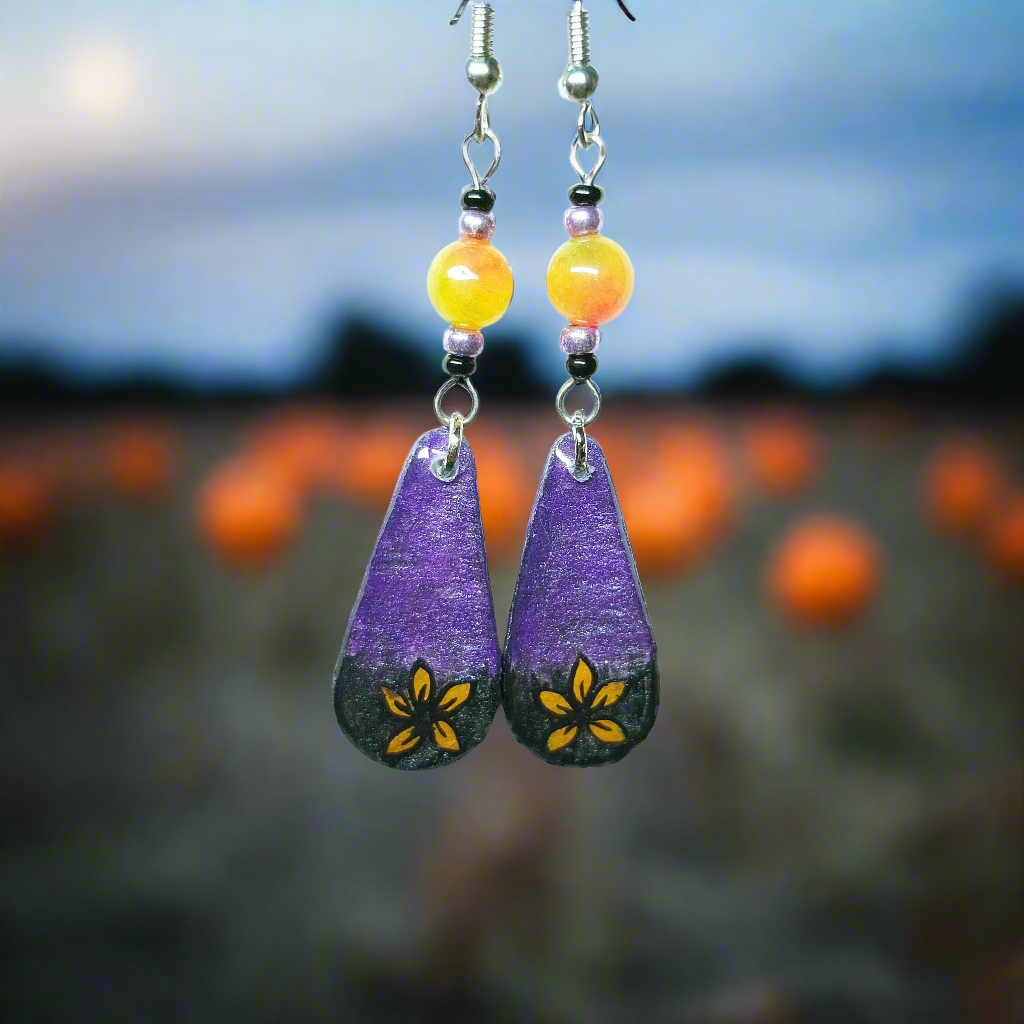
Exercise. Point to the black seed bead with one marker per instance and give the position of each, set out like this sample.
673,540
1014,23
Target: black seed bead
478,199
586,195
458,366
581,367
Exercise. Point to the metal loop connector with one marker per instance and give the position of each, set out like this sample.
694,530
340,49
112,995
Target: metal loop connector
587,177
586,134
479,180
467,385
569,418
482,122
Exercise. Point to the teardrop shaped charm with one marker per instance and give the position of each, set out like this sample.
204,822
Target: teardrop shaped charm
580,669
418,679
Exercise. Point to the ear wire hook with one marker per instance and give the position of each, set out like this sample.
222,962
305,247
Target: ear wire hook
458,13
462,6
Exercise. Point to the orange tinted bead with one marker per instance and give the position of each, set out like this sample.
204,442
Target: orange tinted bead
590,280
470,284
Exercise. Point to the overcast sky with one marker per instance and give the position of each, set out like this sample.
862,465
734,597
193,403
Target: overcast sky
198,184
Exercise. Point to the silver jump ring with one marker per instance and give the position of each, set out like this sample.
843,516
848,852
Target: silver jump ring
579,469
467,385
454,440
569,419
447,468
488,133
587,177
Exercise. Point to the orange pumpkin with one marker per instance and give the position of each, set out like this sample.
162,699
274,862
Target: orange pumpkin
374,459
690,451
656,533
824,571
248,513
782,454
626,450
68,461
1004,538
689,484
309,448
141,460
25,506
962,484
674,514
506,492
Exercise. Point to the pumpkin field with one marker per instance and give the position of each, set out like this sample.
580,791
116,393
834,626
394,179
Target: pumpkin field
824,825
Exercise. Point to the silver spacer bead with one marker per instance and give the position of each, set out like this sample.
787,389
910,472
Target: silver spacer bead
583,220
484,74
463,343
476,224
579,82
578,341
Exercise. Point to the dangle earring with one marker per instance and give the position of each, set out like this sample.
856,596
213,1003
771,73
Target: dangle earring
580,668
417,682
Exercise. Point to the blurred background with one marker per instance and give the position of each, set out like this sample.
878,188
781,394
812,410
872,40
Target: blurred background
215,352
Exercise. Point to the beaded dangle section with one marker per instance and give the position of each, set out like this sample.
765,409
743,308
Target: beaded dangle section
417,682
580,669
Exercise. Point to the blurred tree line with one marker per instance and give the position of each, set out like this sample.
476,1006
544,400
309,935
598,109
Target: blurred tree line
359,360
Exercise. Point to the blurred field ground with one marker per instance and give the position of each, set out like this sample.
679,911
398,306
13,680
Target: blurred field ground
824,826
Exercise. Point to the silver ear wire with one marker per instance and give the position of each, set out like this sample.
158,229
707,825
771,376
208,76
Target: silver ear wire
482,69
483,72
578,84
579,80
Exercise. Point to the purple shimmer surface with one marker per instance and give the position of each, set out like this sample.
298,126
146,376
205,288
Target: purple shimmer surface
427,593
578,590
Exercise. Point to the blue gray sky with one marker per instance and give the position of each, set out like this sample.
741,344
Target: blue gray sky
199,185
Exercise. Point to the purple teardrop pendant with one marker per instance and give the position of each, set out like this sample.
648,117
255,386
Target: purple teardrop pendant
418,679
580,669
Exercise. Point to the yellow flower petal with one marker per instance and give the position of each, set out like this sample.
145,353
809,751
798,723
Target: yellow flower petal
608,695
454,697
562,737
396,702
445,737
404,741
421,685
555,702
582,679
607,731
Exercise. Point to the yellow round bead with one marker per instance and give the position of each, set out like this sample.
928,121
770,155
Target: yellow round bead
590,280
470,283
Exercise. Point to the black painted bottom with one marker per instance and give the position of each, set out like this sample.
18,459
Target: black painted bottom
412,721
607,727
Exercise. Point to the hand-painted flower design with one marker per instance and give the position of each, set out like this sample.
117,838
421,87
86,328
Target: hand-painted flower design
585,706
428,712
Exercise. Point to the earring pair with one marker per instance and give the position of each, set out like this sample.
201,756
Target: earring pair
420,674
